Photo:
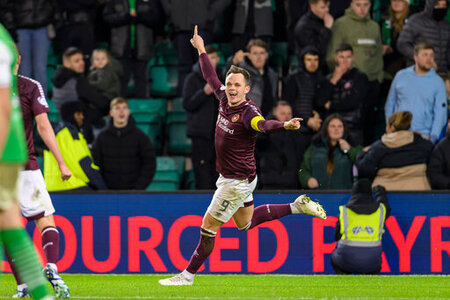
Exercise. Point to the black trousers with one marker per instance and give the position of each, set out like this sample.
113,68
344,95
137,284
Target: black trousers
137,68
204,161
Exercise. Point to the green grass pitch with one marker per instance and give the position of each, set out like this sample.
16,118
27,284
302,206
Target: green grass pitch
251,287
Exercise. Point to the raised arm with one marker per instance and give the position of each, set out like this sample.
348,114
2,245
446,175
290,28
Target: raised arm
208,71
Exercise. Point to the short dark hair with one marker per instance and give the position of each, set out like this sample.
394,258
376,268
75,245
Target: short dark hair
256,42
71,51
211,49
317,1
422,46
343,47
237,70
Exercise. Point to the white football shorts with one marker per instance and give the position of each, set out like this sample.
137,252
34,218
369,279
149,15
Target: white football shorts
34,199
231,194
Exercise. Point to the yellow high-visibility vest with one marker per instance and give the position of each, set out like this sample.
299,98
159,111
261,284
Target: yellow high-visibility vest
361,230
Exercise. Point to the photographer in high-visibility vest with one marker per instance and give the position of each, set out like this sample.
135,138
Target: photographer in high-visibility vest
359,230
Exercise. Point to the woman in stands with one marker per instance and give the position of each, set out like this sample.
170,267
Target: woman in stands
328,162
399,160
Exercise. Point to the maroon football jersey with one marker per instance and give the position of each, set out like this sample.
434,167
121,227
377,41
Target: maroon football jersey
235,138
33,103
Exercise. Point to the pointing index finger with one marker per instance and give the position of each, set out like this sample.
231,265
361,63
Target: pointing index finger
195,30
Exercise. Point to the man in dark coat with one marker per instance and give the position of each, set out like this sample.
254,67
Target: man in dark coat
132,38
278,154
314,29
302,92
201,107
346,90
428,26
124,154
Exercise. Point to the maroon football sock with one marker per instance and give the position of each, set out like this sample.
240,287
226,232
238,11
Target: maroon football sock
269,212
204,249
50,244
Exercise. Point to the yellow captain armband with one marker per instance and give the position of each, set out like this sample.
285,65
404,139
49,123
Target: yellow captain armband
254,122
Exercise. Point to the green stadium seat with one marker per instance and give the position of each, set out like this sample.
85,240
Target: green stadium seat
50,72
149,115
40,161
279,54
167,175
190,180
163,80
179,143
165,53
53,114
177,105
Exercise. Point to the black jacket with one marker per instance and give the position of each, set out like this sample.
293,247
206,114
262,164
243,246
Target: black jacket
77,11
310,31
301,91
81,90
361,202
438,169
381,156
117,14
32,14
347,98
202,110
279,160
125,156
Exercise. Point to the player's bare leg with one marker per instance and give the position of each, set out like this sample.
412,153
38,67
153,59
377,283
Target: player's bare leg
208,231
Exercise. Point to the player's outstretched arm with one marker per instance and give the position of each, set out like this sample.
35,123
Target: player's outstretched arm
293,124
209,73
48,136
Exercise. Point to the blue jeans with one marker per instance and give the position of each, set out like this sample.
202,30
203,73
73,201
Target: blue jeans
33,45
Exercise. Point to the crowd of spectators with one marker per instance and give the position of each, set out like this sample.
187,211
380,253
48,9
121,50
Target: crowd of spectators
361,64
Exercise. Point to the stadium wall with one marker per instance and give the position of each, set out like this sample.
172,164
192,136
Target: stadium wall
157,232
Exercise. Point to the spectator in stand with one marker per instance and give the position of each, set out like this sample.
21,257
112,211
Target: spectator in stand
124,154
75,152
338,7
263,79
104,74
359,231
399,160
391,26
184,15
253,19
328,162
7,18
77,28
421,91
201,106
278,154
35,22
295,10
314,29
71,85
363,34
438,169
446,78
132,24
429,26
346,92
301,91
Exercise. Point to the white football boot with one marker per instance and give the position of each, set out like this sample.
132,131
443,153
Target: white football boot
179,279
304,205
